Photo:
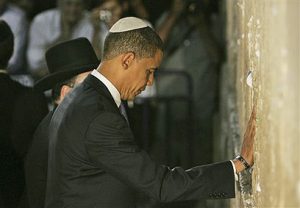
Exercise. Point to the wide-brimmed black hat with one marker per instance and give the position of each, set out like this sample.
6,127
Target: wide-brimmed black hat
67,59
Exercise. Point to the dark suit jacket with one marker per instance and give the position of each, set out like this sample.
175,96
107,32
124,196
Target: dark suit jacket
21,110
36,165
95,162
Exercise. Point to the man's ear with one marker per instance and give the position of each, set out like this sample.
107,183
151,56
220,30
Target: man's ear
65,89
127,59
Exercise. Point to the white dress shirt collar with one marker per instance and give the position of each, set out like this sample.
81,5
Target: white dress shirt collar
111,88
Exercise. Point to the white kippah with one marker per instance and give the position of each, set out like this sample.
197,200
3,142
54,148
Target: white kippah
127,24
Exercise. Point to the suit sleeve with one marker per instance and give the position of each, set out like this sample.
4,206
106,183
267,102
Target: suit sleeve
110,145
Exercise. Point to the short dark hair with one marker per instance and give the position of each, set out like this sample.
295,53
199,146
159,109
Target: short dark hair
143,42
6,44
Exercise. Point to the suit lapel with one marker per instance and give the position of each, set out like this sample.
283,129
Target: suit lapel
97,85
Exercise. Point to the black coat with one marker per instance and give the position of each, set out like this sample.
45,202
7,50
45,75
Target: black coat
21,110
95,162
36,165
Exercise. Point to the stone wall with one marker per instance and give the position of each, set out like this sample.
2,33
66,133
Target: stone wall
263,37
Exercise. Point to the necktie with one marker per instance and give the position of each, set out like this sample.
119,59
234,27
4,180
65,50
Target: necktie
123,111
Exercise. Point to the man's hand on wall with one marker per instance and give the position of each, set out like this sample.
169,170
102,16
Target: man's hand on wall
247,147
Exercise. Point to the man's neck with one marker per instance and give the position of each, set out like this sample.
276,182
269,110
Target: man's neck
111,73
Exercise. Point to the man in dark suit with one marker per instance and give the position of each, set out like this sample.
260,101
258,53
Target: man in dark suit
21,110
65,73
93,158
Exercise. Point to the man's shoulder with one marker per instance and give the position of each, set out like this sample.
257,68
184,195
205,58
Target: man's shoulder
12,86
46,16
15,11
87,101
83,100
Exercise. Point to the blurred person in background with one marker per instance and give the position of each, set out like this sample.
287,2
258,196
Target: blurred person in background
17,20
51,27
68,21
103,16
66,72
33,7
137,8
190,48
21,110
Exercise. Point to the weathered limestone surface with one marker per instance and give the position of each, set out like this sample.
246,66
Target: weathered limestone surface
263,37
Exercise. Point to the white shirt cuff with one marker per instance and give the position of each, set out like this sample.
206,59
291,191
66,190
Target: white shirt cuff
236,177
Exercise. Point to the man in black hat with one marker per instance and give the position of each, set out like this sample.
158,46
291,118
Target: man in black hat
21,110
93,158
68,63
